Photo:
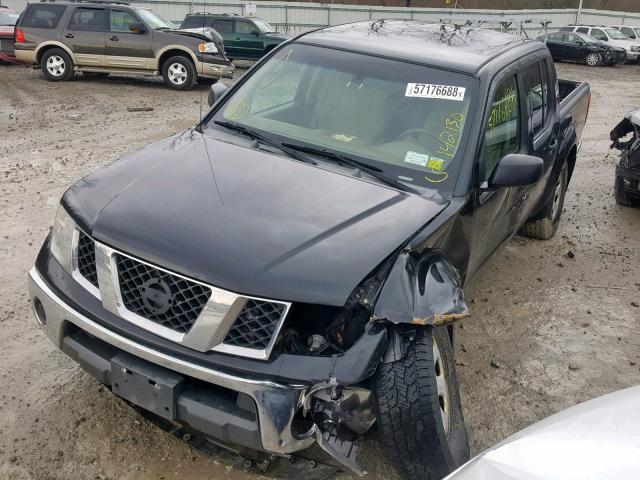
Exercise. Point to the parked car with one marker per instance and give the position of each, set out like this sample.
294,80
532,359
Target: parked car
244,37
629,31
595,440
627,184
579,47
112,37
282,274
8,19
610,35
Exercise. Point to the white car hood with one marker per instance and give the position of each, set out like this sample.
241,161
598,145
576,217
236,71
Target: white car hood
596,440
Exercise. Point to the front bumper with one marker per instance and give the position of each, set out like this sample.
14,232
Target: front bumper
632,56
275,404
214,70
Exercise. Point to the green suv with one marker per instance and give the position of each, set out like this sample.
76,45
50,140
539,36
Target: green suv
244,37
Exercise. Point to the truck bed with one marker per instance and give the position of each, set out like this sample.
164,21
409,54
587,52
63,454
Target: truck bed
575,99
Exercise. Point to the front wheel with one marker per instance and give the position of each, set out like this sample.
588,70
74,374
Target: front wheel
419,411
179,73
593,59
544,225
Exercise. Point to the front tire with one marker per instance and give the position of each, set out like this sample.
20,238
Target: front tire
179,73
419,412
56,64
544,225
593,59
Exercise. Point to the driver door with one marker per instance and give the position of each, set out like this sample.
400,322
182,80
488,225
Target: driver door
246,42
125,49
503,133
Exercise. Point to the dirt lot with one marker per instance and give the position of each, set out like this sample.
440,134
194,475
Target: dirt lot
547,331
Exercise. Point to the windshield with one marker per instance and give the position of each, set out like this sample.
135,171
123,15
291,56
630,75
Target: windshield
263,26
8,18
613,33
407,120
153,20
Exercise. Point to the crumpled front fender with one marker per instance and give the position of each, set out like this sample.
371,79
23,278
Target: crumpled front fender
423,290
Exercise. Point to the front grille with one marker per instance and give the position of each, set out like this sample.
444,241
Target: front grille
256,325
177,304
87,259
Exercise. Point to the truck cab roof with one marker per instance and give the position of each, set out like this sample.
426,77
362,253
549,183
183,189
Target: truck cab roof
465,49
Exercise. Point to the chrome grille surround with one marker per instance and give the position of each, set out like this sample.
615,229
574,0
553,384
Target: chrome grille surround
212,325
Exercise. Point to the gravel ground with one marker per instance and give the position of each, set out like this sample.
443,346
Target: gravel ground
547,331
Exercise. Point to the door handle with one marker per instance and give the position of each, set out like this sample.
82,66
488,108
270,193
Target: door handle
114,38
69,35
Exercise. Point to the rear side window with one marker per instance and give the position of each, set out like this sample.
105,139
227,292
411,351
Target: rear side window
43,16
195,22
223,26
583,30
502,135
88,20
534,91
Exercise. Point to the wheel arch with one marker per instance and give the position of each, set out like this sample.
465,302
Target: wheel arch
46,46
174,51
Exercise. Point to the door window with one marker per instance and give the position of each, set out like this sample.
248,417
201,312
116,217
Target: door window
245,27
535,96
88,20
628,32
222,26
120,21
502,135
555,37
571,38
582,30
43,16
599,34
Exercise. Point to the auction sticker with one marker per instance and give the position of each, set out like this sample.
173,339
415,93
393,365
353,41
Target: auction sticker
416,158
429,90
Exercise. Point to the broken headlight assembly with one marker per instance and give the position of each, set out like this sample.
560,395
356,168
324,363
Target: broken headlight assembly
208,47
62,239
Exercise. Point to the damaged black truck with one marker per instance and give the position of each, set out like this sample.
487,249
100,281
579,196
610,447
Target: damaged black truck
288,272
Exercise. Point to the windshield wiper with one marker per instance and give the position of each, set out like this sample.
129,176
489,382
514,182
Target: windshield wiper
345,159
261,138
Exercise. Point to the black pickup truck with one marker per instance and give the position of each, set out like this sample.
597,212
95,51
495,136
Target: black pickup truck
288,271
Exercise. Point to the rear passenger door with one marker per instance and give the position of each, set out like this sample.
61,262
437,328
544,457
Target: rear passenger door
225,28
84,35
124,48
542,121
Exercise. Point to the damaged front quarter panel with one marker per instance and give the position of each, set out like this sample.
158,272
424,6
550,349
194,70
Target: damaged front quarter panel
421,290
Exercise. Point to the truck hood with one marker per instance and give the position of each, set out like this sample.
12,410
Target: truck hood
247,220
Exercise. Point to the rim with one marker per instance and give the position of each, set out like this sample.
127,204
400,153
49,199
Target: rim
56,65
592,59
177,73
442,387
557,196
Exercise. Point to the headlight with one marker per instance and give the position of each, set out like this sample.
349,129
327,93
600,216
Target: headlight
208,47
635,48
62,239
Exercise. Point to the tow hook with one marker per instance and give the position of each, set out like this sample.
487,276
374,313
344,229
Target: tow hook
339,415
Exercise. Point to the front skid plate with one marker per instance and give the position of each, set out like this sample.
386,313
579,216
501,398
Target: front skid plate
309,466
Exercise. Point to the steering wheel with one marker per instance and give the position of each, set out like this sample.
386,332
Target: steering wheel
413,133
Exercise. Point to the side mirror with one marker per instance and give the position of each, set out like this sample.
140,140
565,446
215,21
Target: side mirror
516,170
217,90
137,28
255,33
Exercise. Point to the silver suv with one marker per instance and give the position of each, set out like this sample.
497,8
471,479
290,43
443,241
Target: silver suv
116,38
611,36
